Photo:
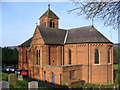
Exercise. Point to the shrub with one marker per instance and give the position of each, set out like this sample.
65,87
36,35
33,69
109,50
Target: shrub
0,76
117,80
4,76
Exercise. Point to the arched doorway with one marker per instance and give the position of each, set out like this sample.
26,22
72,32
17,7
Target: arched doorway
53,77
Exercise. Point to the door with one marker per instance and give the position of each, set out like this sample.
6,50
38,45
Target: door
45,76
53,77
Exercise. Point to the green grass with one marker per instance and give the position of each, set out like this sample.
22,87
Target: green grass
97,86
88,85
24,83
19,83
109,86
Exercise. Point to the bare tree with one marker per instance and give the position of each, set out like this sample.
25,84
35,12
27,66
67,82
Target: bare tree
108,12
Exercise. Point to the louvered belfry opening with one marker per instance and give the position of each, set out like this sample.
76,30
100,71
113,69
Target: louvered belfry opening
49,19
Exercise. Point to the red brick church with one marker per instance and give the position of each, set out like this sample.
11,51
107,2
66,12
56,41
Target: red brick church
66,56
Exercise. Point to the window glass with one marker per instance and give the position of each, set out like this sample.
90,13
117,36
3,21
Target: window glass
38,57
108,55
96,56
69,56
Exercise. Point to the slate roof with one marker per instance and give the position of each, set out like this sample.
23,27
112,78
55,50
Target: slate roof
52,35
86,34
49,13
26,43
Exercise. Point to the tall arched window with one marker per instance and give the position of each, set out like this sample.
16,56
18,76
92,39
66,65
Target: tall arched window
50,23
96,54
69,56
38,57
108,55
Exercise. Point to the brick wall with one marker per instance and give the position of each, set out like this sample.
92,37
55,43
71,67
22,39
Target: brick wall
58,55
84,54
47,21
64,71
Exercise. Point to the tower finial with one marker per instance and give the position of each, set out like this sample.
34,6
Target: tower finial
48,6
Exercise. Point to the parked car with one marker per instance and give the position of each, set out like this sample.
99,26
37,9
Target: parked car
9,69
18,71
24,73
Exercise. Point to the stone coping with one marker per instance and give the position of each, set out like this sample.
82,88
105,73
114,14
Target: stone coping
62,65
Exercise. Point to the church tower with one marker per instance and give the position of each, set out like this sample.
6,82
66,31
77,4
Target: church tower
49,19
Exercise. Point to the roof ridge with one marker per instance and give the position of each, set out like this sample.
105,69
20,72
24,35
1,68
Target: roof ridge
81,27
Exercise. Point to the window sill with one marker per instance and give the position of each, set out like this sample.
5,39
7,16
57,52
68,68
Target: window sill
37,65
96,64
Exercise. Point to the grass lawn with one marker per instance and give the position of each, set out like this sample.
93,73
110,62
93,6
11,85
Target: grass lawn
19,84
88,85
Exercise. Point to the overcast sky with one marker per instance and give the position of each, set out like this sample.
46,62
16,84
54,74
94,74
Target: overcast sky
19,20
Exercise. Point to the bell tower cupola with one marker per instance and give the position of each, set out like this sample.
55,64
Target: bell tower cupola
49,19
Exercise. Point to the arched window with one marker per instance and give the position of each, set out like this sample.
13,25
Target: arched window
96,54
69,56
38,57
108,55
52,24
53,77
